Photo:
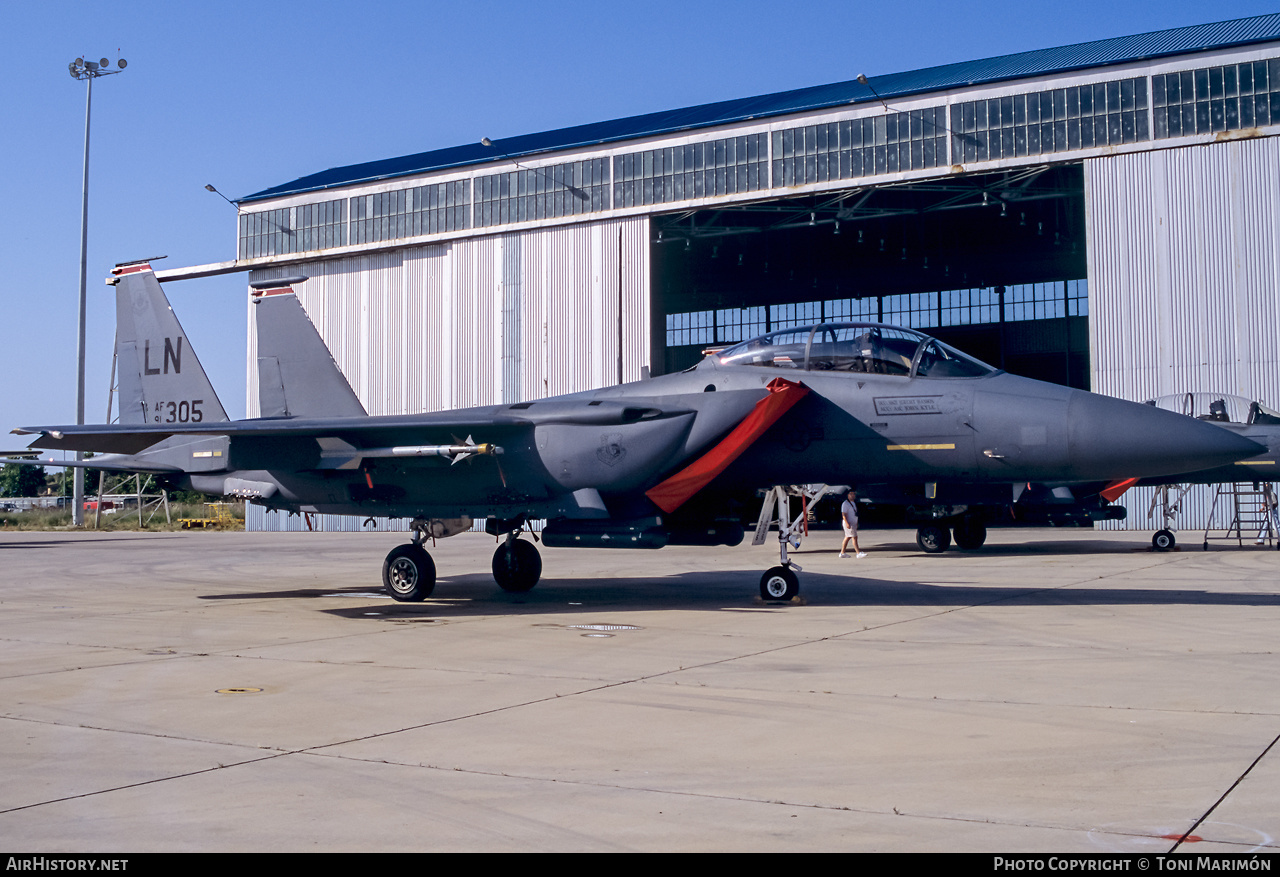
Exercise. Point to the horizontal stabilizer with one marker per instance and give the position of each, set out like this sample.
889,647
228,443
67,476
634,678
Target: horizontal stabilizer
105,462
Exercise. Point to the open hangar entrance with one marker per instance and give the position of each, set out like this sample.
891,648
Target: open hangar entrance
992,263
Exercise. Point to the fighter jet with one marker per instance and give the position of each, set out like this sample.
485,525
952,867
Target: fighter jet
675,459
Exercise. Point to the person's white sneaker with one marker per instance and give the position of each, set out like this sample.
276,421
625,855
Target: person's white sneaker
842,554
862,554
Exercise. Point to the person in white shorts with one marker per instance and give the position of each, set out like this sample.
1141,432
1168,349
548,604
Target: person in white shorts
849,518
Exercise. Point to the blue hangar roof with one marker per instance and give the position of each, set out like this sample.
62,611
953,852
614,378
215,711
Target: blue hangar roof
1082,56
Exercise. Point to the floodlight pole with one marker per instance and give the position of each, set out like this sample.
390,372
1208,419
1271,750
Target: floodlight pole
77,482
88,71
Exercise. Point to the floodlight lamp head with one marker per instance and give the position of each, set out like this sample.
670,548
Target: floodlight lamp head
209,188
122,63
104,63
862,79
485,141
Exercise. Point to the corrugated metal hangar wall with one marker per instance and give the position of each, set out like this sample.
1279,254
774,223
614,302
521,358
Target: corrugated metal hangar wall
1184,281
481,321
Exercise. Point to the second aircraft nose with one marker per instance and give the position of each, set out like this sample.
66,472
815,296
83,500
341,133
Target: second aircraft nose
1110,438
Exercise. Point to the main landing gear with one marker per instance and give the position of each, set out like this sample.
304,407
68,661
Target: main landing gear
970,534
409,574
517,565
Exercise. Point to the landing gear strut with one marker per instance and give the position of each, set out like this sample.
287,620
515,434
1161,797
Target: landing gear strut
1164,539
781,582
517,566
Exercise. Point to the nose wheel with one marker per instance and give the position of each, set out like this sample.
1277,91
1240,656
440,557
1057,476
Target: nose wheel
779,583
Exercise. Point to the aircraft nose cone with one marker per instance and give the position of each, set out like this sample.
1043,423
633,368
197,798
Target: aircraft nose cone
1111,438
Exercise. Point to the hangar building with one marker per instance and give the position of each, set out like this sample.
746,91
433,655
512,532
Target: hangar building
1104,215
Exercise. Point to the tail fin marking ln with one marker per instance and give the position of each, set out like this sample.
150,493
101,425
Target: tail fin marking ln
160,377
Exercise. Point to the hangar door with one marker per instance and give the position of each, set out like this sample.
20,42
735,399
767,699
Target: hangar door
993,263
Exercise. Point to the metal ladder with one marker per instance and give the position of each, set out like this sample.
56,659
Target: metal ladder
1251,505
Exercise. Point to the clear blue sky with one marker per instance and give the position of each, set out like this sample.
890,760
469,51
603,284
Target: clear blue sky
246,95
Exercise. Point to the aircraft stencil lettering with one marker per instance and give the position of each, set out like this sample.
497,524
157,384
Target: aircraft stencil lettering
676,459
185,411
172,354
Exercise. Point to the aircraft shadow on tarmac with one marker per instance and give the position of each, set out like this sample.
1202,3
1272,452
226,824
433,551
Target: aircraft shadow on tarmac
1048,547
470,595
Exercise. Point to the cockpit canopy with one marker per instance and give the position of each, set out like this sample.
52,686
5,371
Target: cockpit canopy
856,347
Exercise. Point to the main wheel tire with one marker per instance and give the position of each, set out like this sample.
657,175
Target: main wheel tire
517,566
933,540
409,573
779,583
970,535
1163,540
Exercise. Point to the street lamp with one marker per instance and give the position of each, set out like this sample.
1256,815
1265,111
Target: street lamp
573,190
88,71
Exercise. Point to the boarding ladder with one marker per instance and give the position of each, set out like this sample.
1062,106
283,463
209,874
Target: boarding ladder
1250,505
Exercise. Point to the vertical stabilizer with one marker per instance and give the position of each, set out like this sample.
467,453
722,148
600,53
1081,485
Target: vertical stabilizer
297,375
160,378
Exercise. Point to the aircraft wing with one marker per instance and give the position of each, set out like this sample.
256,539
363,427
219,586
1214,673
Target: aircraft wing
359,431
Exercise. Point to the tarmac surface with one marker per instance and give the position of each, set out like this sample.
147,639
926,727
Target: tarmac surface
1058,691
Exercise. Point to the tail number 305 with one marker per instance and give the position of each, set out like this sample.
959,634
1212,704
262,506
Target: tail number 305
175,412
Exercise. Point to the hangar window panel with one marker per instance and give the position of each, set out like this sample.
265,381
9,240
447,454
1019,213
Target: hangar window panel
1081,116
1213,99
266,233
1046,301
912,309
967,307
1077,297
795,314
529,194
859,147
850,310
692,171
738,324
293,229
697,327
320,226
439,208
